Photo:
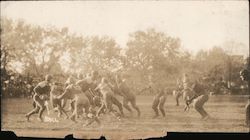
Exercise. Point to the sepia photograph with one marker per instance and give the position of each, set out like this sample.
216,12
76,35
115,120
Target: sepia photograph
124,69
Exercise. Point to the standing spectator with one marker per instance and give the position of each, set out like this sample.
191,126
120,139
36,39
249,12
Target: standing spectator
245,75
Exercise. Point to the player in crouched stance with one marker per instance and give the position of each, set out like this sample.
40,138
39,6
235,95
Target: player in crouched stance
158,103
108,97
40,97
127,94
199,98
57,90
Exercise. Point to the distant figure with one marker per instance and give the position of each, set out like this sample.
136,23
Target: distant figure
187,91
158,103
41,95
178,92
245,76
150,87
220,86
186,86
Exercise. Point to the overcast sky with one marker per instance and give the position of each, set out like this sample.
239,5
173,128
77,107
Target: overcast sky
199,24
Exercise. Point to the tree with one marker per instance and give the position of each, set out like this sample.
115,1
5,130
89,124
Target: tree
38,49
95,53
153,53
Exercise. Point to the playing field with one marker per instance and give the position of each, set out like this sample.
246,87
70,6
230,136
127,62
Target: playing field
228,113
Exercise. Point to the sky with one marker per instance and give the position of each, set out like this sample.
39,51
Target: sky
199,24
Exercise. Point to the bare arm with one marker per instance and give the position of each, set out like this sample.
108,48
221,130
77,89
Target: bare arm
60,97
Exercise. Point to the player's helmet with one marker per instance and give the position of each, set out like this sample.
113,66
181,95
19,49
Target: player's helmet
48,77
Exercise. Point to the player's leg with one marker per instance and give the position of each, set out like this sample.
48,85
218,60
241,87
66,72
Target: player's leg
91,120
89,96
125,104
72,105
155,107
97,101
63,103
101,106
52,101
118,104
134,105
41,105
101,109
46,104
60,108
33,111
80,109
107,102
97,120
177,96
57,104
186,96
161,105
198,105
204,99
34,104
63,111
74,114
248,113
86,106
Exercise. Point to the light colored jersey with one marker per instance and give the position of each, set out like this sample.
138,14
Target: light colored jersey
186,82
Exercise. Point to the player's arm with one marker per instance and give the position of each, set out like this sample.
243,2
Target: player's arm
191,99
60,97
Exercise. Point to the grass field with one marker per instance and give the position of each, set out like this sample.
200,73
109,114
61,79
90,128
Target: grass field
227,111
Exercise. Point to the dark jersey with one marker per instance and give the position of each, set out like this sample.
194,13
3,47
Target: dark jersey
42,88
199,89
85,85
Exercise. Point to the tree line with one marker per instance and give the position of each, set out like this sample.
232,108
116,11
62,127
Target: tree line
33,51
